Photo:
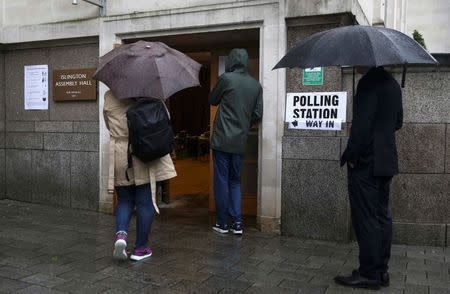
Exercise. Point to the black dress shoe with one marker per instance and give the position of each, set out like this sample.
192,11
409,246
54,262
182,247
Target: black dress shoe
385,280
357,281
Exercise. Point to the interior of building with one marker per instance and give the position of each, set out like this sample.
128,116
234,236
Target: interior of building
189,196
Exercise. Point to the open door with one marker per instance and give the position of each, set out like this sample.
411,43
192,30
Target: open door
249,176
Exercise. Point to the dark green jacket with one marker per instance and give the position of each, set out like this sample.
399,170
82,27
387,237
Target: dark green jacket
239,97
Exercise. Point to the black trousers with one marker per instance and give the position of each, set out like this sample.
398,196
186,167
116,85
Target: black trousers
371,219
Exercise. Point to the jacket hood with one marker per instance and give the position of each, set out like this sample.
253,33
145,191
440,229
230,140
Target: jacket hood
237,59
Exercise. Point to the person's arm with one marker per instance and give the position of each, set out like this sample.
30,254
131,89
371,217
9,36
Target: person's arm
258,111
365,108
218,91
105,108
105,119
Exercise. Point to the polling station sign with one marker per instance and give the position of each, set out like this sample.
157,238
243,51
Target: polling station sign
316,110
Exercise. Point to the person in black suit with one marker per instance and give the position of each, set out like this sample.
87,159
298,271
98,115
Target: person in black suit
371,157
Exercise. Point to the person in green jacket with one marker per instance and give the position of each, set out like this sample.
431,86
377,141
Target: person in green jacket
239,97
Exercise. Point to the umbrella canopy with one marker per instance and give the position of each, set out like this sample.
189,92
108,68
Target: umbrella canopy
356,46
147,69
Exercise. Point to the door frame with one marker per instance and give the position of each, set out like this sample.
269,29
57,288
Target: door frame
248,204
266,16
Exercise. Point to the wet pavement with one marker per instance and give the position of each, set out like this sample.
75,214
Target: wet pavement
52,250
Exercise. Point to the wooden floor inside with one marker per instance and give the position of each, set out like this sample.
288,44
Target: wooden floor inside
189,194
192,179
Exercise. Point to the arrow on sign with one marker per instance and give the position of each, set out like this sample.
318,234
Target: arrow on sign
295,123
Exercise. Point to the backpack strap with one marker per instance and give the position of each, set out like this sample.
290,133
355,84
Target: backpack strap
167,110
152,172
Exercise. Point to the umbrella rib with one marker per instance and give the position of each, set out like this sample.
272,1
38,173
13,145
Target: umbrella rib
398,50
314,45
392,43
160,82
371,48
183,68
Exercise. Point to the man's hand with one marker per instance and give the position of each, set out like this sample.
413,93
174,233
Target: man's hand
255,126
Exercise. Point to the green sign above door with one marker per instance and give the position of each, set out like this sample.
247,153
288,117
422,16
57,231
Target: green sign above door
313,76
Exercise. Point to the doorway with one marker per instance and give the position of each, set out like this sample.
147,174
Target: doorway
189,197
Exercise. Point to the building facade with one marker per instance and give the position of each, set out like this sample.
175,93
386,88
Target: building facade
60,156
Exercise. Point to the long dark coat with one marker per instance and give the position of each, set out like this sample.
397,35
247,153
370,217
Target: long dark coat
377,114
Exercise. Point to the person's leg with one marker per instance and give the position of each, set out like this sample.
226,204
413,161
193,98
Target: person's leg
144,220
125,205
221,171
144,214
364,202
234,188
386,228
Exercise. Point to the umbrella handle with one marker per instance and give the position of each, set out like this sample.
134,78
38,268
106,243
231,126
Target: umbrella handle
403,76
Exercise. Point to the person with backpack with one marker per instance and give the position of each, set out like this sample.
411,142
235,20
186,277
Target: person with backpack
240,106
134,179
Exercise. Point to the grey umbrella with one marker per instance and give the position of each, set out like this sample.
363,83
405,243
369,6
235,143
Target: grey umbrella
147,69
356,46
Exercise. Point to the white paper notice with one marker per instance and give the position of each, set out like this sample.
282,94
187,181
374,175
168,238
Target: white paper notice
36,87
222,61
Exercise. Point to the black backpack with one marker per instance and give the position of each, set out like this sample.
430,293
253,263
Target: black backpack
150,134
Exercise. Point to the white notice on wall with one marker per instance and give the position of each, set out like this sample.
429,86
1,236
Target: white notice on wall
36,87
222,61
316,110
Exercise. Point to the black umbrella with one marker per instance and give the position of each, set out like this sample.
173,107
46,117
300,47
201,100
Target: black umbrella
357,46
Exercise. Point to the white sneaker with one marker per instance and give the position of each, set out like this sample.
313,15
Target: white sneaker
220,229
120,247
142,253
236,229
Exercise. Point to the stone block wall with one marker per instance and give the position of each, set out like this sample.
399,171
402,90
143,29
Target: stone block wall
420,196
51,156
314,201
2,127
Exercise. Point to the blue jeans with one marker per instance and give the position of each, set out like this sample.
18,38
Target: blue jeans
140,197
227,186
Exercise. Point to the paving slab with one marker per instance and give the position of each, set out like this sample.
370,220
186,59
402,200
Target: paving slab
62,250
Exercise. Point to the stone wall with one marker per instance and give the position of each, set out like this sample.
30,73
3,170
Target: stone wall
420,195
314,192
314,195
2,128
51,156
